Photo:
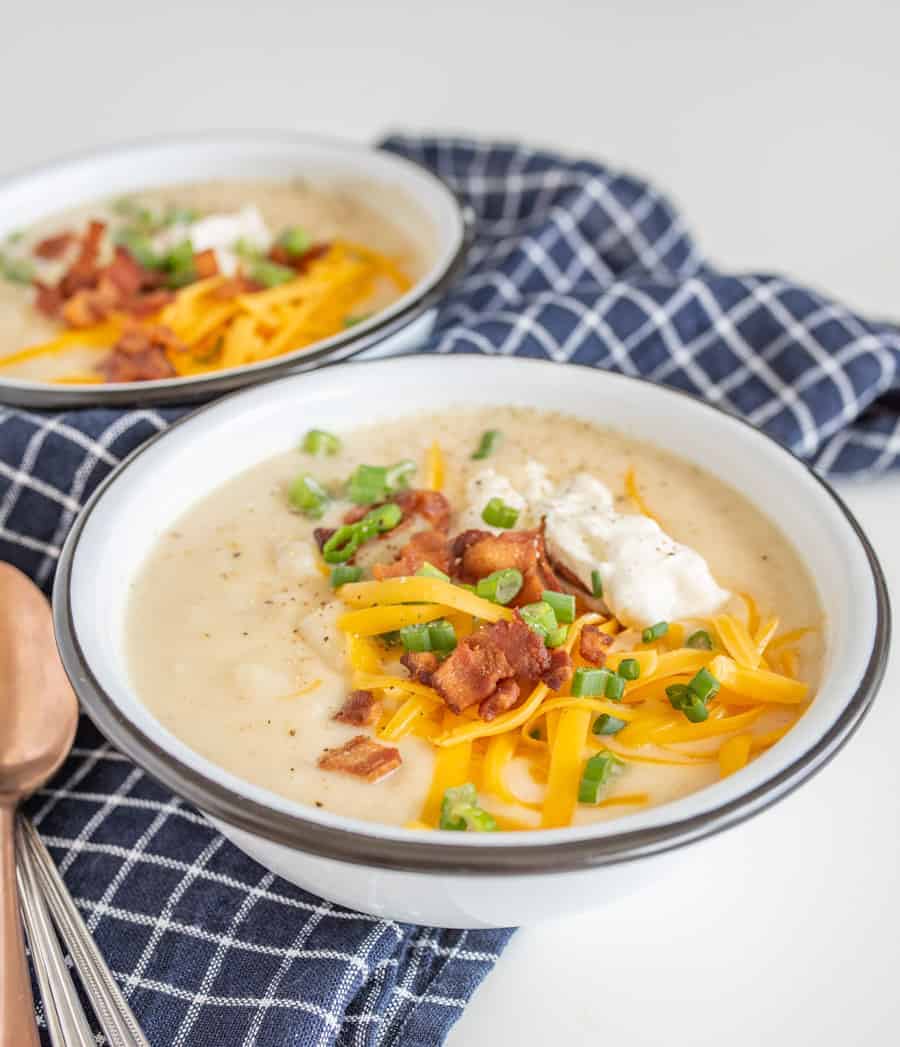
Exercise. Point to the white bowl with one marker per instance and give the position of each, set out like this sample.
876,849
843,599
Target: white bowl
459,879
117,170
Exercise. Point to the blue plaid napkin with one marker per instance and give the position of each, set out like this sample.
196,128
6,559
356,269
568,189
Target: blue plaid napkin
573,262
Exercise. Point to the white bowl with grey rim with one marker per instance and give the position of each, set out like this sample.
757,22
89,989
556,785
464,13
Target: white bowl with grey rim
460,879
277,156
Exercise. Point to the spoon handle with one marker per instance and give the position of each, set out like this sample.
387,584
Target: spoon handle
17,1024
66,1019
115,1016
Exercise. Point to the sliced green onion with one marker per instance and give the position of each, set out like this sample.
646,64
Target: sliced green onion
558,636
396,477
442,636
679,694
319,442
179,265
368,484
562,603
498,514
695,710
428,570
615,687
700,640
175,215
140,247
540,617
460,811
378,521
654,632
500,586
416,637
390,639
490,441
606,724
269,274
128,207
590,683
704,685
342,574
295,241
16,270
342,545
597,772
308,496
597,583
629,669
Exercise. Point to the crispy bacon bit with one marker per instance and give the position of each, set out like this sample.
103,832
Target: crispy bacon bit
149,303
48,300
425,547
506,697
525,651
83,271
322,534
560,671
125,273
52,247
89,306
280,254
569,582
140,355
471,673
421,665
234,286
360,708
362,758
593,644
206,264
479,553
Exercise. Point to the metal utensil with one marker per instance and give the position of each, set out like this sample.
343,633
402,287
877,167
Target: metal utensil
39,714
113,1013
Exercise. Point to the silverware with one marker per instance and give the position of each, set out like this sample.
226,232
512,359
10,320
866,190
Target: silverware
66,1020
112,1010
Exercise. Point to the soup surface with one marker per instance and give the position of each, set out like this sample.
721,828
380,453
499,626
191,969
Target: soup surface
196,278
640,661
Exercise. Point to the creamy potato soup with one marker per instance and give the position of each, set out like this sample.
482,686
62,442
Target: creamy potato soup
189,279
481,620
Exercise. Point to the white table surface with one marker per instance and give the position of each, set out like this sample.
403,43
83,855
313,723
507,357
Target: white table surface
774,126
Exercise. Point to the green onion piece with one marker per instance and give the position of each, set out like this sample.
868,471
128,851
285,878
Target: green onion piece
490,441
695,710
179,265
140,247
500,586
466,586
558,636
597,583
442,636
654,632
704,685
342,574
128,207
342,545
378,521
606,724
597,772
308,496
269,274
678,694
629,669
295,241
319,442
540,617
428,570
498,514
396,477
416,637
460,811
367,484
683,698
562,603
390,639
175,215
590,683
535,733
615,687
700,640
16,270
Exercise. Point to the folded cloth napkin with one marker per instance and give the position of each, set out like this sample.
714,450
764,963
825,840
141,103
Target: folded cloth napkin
571,261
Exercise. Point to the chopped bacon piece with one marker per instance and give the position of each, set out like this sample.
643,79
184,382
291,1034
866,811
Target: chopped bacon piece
593,644
280,254
140,355
206,264
360,708
421,665
506,697
471,673
53,246
90,306
362,758
525,651
83,271
148,303
322,534
234,286
430,505
425,547
560,670
125,273
47,300
480,553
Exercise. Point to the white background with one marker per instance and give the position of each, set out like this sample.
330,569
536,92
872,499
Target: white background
774,126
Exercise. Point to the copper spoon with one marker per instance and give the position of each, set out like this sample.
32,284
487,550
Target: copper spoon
38,718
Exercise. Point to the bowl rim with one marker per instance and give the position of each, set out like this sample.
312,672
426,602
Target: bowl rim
424,853
424,294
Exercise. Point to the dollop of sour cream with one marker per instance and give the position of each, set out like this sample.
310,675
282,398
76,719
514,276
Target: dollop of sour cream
647,576
220,233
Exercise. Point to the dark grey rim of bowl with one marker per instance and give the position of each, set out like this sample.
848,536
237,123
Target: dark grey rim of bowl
192,390
433,856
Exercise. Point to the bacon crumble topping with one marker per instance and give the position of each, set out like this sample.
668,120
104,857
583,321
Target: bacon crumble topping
140,355
363,758
360,708
594,644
